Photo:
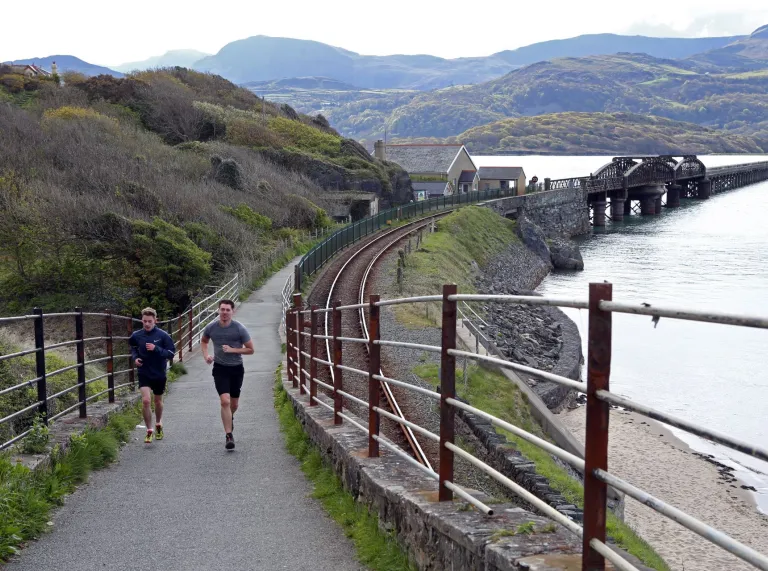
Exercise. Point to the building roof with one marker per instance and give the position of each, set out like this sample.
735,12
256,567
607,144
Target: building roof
467,176
500,173
423,158
430,187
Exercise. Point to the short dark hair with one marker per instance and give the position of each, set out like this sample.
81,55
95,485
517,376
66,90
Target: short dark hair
228,302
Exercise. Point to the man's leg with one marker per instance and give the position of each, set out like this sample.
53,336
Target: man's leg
146,409
235,385
159,410
158,388
226,412
146,404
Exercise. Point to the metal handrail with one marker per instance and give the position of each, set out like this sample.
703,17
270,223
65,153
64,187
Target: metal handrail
600,306
181,335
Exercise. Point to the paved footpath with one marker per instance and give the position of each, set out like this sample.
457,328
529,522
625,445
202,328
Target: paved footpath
186,503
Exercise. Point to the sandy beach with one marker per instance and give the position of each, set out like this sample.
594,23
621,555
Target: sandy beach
646,454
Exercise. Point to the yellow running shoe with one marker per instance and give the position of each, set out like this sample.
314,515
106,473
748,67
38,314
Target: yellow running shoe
158,432
148,437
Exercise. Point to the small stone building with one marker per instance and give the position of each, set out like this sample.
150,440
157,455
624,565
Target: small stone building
450,164
492,178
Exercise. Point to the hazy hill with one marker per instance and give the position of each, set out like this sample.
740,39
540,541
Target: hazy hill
745,54
264,58
69,63
172,58
596,44
601,133
684,90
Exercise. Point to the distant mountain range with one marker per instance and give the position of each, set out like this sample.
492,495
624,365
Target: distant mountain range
172,58
269,59
68,63
265,58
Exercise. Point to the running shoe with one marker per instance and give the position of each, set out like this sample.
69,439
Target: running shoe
230,442
148,437
158,432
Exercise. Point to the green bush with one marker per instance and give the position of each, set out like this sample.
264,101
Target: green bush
245,213
169,266
36,442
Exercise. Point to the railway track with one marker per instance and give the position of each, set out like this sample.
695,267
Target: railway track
347,280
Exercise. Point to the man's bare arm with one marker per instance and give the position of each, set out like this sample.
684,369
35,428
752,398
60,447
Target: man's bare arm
204,347
246,349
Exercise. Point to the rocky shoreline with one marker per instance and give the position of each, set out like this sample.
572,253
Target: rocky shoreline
536,336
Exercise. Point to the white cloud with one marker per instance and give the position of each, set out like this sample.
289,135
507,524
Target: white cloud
702,25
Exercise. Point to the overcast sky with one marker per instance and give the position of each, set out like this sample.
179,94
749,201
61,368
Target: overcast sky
111,33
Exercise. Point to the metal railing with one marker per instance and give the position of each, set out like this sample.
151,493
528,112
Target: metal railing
320,254
302,368
185,330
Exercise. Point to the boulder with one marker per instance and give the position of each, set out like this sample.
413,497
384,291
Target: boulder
534,238
565,255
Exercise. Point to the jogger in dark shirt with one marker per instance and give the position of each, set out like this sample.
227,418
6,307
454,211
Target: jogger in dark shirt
230,341
151,348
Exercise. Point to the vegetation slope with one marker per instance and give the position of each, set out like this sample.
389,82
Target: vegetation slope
116,193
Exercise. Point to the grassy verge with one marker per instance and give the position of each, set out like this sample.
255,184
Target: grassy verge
465,241
27,497
494,393
376,549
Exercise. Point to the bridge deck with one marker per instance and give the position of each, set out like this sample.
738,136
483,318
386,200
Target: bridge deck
185,502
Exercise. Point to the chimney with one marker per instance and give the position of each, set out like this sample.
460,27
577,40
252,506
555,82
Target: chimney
380,150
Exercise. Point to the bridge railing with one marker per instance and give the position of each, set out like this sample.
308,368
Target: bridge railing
715,171
303,365
30,398
325,250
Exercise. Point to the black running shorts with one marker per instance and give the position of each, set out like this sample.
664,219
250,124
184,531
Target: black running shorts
157,385
228,379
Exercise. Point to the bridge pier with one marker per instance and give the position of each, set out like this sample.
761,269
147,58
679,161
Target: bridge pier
705,189
618,207
648,206
598,212
628,207
673,195
657,205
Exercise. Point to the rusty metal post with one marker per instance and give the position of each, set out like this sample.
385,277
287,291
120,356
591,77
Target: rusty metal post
374,367
288,346
297,303
111,360
338,385
42,389
131,364
447,390
313,353
191,328
596,453
181,339
80,361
